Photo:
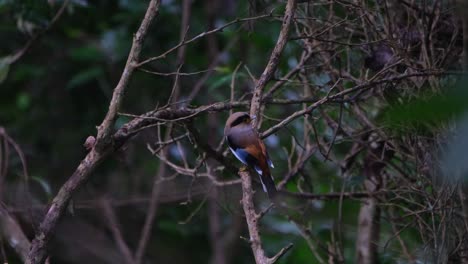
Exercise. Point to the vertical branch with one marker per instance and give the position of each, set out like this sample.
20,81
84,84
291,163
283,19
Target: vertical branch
369,214
252,218
247,192
368,231
38,250
255,105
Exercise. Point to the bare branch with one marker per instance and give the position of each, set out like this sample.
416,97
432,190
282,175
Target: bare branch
105,129
36,36
338,95
201,35
273,62
252,218
15,237
114,226
38,251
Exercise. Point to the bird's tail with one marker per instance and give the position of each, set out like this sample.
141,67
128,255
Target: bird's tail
268,184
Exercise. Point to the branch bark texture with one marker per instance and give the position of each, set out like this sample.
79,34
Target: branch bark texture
255,105
369,215
104,145
105,129
252,218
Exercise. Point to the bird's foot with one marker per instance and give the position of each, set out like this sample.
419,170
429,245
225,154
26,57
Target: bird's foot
243,168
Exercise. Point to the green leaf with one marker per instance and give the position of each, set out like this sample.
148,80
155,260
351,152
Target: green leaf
348,84
223,69
429,108
86,54
25,72
223,80
23,101
84,77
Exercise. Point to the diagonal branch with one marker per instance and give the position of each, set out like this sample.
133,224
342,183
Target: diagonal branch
115,228
105,129
273,62
201,35
208,149
14,58
338,95
103,147
11,230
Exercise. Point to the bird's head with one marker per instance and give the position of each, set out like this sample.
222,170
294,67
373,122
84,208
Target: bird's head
238,120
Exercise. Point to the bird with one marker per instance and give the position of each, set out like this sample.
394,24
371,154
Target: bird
247,147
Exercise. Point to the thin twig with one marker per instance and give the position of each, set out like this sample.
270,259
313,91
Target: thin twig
201,35
114,226
107,125
20,53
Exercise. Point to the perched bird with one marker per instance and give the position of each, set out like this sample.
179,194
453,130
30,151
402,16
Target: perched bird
244,143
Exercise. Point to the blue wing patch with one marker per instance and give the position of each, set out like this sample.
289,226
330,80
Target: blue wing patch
240,155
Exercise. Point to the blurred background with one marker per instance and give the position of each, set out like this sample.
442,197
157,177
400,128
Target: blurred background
372,172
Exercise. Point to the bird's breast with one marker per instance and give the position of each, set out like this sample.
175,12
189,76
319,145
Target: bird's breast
241,137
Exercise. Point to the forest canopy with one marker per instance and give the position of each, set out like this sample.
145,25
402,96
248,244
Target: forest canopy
113,146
